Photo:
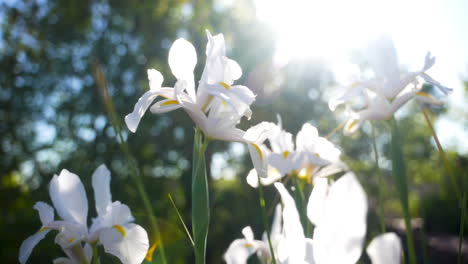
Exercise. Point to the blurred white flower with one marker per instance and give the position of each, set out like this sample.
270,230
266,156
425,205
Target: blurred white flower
388,90
312,155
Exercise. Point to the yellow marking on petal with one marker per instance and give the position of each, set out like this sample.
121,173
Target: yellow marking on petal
225,104
43,229
352,124
286,154
208,102
248,245
170,102
259,151
423,94
69,241
120,229
149,254
225,85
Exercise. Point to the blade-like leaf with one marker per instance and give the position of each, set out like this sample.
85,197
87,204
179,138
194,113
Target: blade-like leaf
401,181
200,198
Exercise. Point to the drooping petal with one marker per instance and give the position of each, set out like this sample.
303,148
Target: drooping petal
385,249
294,239
29,244
239,251
273,175
339,237
129,243
69,197
182,61
444,89
165,106
101,185
133,119
63,260
233,71
46,212
317,200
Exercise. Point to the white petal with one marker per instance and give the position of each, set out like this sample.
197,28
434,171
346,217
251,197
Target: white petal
352,126
116,214
182,61
444,89
385,249
69,197
63,260
293,231
276,227
273,175
165,106
101,185
239,251
155,79
248,233
133,119
28,245
317,199
130,248
233,71
46,212
259,159
260,132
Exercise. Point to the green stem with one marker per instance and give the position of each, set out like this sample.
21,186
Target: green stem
200,197
442,154
401,180
115,121
95,254
301,205
380,179
261,199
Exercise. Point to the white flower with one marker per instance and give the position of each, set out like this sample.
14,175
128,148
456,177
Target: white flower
385,249
312,156
388,90
113,226
216,106
69,199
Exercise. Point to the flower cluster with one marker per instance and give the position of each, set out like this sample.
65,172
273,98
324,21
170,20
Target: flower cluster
313,156
338,212
113,227
388,90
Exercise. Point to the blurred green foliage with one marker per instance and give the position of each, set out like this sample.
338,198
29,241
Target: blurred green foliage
52,117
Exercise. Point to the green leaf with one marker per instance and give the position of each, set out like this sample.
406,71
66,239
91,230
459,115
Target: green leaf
200,198
401,181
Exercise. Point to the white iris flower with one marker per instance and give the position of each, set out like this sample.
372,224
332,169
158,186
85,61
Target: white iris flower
388,90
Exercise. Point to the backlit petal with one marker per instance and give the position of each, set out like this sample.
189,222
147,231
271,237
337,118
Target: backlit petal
46,212
133,119
101,185
69,197
131,248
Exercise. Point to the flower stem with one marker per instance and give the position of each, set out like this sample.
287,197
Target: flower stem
380,179
401,180
442,153
133,165
200,197
95,254
264,218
